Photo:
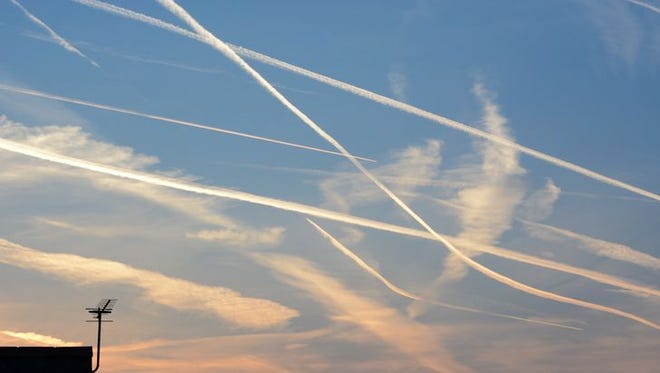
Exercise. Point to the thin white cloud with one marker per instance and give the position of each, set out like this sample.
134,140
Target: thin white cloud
41,339
352,235
75,101
488,207
409,169
159,180
176,293
242,238
540,204
57,38
607,249
398,85
488,203
98,231
407,336
376,98
74,141
618,27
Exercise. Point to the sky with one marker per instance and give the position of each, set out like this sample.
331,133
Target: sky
293,186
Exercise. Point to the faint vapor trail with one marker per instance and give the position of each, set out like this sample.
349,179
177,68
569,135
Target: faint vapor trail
163,181
375,97
31,92
607,249
404,293
57,38
218,44
645,5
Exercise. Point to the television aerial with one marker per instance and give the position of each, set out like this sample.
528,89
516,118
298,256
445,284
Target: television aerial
104,307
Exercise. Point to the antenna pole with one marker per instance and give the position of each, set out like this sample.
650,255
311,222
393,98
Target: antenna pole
98,343
105,306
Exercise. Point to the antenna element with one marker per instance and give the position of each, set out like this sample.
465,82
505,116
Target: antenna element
104,307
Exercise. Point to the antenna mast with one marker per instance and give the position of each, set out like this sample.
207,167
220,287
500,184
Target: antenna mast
104,307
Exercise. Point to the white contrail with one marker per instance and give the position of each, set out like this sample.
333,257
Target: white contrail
57,38
171,183
406,294
70,100
607,249
218,44
376,98
445,121
645,5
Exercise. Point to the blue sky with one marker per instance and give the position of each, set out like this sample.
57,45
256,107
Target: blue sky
199,267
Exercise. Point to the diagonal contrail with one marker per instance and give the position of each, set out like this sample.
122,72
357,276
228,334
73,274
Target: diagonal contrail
377,98
70,100
171,183
645,5
55,36
406,294
611,250
218,44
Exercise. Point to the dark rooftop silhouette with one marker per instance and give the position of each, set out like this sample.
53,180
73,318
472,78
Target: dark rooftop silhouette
46,359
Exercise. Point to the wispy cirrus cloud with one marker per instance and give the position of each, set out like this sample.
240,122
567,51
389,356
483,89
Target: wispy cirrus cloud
540,204
89,230
398,82
406,171
602,248
406,336
75,141
55,36
488,204
618,28
242,238
179,294
16,337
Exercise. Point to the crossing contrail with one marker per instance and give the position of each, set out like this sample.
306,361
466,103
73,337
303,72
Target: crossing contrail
229,53
171,183
376,98
70,100
55,36
406,294
218,44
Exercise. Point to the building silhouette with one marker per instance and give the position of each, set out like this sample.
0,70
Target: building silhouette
46,359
